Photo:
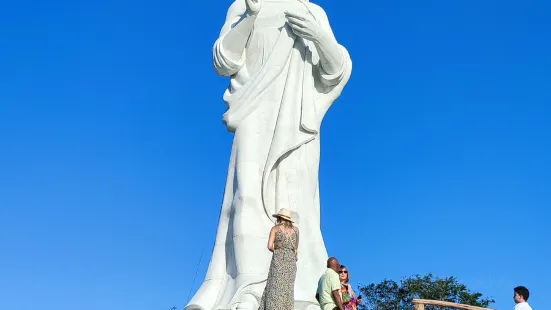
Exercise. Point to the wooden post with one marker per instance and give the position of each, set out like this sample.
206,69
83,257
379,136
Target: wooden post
419,307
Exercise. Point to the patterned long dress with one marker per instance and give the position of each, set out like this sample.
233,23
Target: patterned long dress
279,291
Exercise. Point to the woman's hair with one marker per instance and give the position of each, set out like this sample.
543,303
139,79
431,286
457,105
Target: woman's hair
284,222
347,274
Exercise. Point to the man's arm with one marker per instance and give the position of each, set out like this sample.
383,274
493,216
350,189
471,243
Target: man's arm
338,298
336,290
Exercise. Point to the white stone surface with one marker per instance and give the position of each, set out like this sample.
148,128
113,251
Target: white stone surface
286,70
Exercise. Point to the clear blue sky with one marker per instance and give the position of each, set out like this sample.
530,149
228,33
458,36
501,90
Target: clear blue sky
437,157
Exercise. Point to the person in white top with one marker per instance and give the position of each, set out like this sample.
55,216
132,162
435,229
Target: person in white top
521,298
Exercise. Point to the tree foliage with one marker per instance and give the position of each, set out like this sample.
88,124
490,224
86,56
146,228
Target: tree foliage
392,295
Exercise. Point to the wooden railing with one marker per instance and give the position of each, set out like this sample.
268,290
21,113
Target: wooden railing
419,304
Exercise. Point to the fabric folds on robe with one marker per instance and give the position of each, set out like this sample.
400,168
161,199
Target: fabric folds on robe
291,60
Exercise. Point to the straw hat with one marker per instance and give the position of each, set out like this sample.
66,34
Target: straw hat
284,214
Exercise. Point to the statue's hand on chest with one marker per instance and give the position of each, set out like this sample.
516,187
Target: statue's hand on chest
304,25
295,14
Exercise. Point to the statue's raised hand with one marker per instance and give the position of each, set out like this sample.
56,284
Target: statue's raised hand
253,6
305,26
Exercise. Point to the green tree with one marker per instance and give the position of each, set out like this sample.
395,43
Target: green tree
392,295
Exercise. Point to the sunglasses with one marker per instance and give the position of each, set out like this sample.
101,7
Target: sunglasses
343,271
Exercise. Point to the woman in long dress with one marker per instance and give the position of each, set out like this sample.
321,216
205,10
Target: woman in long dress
283,242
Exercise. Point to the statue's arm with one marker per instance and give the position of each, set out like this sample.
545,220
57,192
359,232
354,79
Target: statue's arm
229,49
331,53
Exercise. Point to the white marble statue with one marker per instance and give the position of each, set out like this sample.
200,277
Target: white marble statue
286,70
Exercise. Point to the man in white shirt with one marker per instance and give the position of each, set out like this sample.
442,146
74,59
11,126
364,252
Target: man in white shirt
521,298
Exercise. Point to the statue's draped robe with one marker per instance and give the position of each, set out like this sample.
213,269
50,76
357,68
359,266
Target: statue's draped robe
276,100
